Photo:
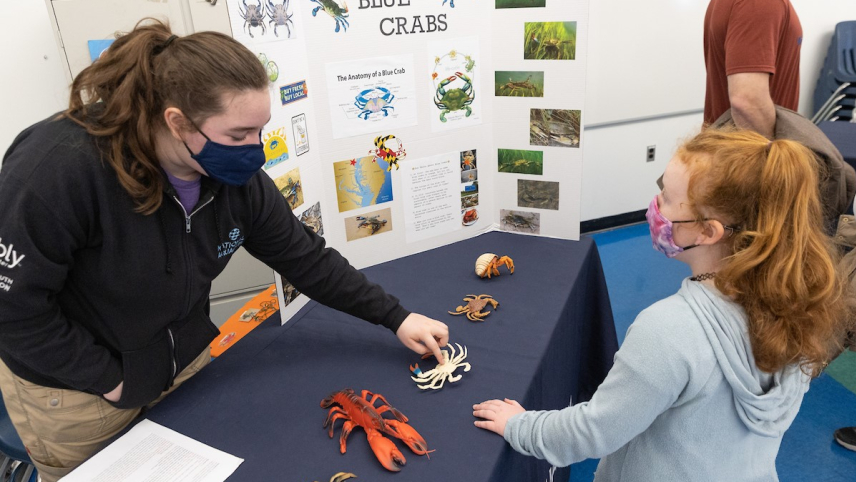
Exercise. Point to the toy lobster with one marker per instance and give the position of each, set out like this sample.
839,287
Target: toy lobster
359,410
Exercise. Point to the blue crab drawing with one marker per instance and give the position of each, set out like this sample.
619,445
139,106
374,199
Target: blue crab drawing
374,100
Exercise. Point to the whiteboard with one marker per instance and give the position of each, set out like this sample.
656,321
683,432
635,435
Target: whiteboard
645,59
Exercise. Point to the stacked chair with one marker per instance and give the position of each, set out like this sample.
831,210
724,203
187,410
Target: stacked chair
15,465
835,93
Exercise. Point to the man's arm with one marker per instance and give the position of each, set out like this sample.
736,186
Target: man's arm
751,104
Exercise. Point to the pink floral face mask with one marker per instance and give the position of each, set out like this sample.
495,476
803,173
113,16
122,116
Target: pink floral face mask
661,231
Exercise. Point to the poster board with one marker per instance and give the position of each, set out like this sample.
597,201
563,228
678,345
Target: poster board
402,125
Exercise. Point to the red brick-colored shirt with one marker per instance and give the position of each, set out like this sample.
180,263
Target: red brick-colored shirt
743,36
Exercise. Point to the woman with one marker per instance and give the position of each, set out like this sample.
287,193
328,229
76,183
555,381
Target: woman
708,380
119,213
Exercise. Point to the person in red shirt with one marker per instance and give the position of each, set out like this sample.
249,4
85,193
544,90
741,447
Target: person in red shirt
752,55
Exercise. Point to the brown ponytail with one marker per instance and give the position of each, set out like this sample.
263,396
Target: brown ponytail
782,266
138,77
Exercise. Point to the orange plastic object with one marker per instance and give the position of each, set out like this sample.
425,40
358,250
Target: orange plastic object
245,320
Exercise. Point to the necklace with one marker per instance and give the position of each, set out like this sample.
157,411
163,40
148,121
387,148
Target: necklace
703,276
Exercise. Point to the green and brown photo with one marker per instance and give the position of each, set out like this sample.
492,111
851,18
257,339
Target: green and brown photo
520,162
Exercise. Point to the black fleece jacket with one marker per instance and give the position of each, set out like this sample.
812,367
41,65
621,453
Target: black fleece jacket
93,293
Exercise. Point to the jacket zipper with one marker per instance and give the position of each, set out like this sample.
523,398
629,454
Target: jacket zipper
187,258
188,262
188,216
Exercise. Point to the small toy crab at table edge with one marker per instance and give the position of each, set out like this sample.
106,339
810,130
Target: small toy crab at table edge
475,305
488,263
342,477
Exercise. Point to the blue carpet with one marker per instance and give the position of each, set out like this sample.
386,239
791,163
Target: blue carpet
637,276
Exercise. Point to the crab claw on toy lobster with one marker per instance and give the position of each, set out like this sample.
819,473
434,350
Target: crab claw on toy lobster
386,452
408,435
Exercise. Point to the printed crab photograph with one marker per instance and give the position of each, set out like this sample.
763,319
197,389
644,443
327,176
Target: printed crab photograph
538,194
289,292
520,161
311,218
469,176
519,221
290,187
368,225
469,201
518,83
469,216
468,160
520,3
550,41
554,127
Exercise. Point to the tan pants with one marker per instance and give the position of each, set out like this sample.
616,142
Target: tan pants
63,428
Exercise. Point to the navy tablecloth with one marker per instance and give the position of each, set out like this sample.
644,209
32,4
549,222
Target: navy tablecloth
552,339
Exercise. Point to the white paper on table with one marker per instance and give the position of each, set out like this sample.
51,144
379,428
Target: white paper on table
432,196
150,451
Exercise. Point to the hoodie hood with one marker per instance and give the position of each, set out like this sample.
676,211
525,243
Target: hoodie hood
766,402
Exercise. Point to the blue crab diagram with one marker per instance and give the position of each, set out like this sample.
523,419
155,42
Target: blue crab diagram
376,100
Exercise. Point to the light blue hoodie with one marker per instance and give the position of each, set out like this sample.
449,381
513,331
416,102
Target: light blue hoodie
683,402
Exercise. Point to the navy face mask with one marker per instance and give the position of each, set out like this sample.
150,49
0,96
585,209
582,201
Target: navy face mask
232,165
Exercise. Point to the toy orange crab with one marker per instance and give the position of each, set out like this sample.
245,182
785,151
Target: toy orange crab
475,305
488,263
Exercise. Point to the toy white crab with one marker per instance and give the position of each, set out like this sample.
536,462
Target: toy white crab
436,377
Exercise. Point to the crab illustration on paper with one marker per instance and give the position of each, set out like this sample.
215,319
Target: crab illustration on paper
279,16
454,99
254,16
435,378
374,100
360,411
475,305
331,8
488,264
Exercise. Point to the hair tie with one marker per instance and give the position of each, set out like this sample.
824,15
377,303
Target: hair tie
163,46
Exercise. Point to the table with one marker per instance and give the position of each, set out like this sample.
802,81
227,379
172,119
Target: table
552,339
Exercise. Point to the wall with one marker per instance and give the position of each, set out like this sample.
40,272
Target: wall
35,82
616,178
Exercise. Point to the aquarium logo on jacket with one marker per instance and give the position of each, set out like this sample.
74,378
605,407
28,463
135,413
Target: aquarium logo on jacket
228,247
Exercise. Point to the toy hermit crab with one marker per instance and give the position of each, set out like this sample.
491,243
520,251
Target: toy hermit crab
475,305
488,264
437,376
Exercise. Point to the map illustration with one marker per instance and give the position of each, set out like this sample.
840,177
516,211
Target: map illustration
362,182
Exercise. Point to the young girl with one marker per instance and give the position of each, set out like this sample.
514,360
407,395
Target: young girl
708,380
